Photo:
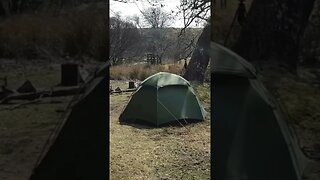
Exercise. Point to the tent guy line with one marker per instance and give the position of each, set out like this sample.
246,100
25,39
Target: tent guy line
165,98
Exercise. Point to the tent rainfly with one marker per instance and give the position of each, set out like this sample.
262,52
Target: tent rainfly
251,140
77,149
163,98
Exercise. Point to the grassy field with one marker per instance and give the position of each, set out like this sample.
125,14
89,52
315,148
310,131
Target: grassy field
25,129
140,152
23,133
142,71
300,97
172,152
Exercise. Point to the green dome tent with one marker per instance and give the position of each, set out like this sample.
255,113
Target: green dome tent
163,98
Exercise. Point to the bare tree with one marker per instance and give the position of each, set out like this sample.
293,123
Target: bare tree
136,20
155,17
185,43
200,57
159,40
197,11
194,11
123,36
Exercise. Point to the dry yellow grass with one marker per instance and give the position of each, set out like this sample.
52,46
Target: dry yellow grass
142,71
140,152
31,36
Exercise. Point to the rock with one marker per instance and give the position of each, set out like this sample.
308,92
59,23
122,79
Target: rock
118,89
26,87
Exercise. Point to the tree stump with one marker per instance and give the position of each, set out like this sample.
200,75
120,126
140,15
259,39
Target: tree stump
70,75
5,81
131,85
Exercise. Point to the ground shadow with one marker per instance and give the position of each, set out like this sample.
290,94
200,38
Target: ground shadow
147,125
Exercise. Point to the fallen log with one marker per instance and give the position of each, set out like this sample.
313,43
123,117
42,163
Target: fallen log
126,90
55,92
36,101
21,104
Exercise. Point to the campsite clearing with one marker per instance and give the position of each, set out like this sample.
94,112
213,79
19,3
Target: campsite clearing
25,129
171,152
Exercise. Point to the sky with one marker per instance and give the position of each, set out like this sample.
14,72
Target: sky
132,8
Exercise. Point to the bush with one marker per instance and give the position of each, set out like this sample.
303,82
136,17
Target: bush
140,72
76,34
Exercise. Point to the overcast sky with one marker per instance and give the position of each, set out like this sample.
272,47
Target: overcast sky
132,8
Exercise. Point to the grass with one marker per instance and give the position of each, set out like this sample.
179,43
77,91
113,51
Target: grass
159,153
24,130
77,34
297,95
40,77
140,72
300,102
23,133
203,92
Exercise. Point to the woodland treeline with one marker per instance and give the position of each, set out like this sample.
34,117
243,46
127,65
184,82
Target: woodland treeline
281,31
129,42
33,29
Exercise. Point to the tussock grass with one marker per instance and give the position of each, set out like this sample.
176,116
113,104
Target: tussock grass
204,94
140,72
76,34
